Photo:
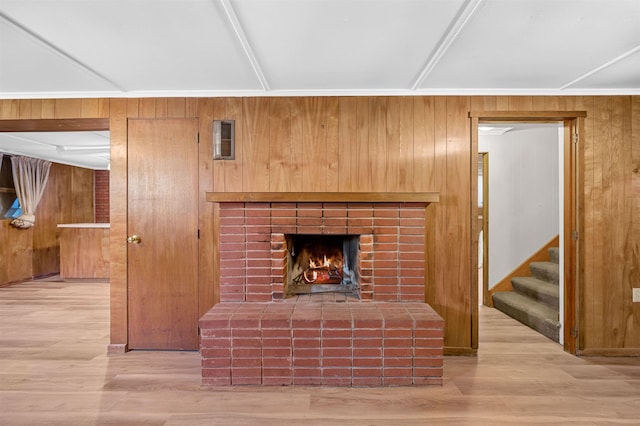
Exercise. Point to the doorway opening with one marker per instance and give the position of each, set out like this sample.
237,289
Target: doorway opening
565,127
522,278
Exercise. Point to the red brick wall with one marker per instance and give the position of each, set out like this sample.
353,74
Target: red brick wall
330,344
252,246
101,191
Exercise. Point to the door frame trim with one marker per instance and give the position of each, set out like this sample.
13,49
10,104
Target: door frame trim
486,299
573,123
55,125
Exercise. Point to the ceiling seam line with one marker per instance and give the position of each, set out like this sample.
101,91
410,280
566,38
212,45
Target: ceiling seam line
244,42
454,30
601,67
57,51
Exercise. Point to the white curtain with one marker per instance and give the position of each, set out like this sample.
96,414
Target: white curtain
30,178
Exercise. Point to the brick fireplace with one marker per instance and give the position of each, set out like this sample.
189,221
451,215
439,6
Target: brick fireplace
294,312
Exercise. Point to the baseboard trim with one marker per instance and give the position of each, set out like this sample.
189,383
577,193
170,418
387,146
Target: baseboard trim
117,349
610,352
459,351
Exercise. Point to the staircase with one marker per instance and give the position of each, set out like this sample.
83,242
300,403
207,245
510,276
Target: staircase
534,300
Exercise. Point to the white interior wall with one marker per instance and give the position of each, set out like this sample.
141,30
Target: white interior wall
523,194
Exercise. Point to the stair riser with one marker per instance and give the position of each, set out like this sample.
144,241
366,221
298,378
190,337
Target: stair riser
551,301
541,273
543,326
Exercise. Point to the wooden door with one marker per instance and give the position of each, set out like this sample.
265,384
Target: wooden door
163,214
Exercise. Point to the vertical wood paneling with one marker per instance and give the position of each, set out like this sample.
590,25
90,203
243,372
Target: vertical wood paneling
8,109
393,144
206,286
255,142
146,108
68,198
406,155
443,240
628,262
218,167
633,244
312,145
538,103
161,107
176,108
378,143
132,108
502,103
82,199
424,144
24,109
119,109
36,108
280,145
332,179
458,221
585,168
95,108
297,155
554,103
619,221
16,262
484,103
191,107
233,170
363,164
315,152
595,274
48,108
348,147
68,108
520,103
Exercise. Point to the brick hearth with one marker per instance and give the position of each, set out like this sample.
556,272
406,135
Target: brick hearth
304,341
258,336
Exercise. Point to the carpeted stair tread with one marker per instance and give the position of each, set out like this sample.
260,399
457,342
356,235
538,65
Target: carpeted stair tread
541,291
554,254
545,271
536,315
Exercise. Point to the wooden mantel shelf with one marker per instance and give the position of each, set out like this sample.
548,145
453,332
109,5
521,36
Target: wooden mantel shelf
325,197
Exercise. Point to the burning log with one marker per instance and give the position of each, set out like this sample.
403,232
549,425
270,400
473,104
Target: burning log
322,275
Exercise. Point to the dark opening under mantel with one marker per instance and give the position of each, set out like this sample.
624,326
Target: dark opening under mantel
324,197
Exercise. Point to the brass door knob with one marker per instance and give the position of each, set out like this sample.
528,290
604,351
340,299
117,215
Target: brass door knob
134,239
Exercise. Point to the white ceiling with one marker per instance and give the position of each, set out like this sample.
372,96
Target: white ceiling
82,149
140,48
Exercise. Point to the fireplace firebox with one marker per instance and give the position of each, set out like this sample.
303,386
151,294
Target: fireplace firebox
322,264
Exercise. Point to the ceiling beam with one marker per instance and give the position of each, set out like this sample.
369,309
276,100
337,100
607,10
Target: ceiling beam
244,42
464,15
601,67
57,51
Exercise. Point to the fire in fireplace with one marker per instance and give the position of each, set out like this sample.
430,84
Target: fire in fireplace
322,264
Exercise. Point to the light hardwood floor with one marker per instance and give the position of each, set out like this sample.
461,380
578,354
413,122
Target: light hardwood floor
54,371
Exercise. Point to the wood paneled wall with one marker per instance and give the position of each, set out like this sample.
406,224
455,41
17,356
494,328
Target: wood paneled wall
68,198
16,246
398,144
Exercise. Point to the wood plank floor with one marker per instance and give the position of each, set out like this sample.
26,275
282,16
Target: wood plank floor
54,371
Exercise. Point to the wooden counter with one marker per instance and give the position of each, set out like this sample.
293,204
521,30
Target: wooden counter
84,250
